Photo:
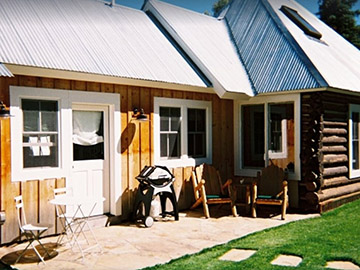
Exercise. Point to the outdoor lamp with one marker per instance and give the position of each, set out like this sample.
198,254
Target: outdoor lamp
139,115
4,113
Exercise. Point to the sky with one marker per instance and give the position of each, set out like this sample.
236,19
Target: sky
206,5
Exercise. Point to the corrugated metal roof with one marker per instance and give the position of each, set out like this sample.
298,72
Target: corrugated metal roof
207,41
4,72
89,36
271,61
335,59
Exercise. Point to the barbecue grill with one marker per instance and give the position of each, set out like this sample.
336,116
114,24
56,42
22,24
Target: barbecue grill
154,180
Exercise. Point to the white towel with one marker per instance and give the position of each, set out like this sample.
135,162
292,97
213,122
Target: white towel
45,150
35,149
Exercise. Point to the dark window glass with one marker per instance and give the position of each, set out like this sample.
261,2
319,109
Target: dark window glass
253,136
197,133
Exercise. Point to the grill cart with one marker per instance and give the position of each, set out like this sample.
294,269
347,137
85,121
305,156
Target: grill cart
154,180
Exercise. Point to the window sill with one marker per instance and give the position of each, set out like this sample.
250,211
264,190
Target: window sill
182,162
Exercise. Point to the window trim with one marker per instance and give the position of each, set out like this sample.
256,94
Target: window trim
18,172
183,104
266,100
352,173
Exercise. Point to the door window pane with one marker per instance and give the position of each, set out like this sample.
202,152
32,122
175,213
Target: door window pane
40,133
88,135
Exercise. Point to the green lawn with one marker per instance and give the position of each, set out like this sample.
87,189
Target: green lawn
333,236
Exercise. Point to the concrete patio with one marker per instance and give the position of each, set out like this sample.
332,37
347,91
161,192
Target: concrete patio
130,246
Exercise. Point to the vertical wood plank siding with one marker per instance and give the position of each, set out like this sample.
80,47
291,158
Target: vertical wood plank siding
325,151
136,149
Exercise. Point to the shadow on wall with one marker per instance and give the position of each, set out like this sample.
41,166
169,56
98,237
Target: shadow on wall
127,136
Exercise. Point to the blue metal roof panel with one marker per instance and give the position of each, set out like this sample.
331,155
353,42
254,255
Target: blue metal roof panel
269,58
92,37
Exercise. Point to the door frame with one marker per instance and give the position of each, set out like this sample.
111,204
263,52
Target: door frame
112,101
105,185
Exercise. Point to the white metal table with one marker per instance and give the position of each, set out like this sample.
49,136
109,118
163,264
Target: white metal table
74,224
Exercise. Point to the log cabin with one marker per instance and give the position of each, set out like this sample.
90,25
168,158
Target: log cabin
264,81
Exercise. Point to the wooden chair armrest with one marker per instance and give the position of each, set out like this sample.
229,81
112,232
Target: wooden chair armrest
284,189
228,183
202,182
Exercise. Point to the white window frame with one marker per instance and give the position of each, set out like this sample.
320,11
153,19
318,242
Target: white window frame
183,104
18,173
266,101
352,173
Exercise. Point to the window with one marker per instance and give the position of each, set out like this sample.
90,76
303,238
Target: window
170,139
182,132
295,17
268,133
40,133
354,140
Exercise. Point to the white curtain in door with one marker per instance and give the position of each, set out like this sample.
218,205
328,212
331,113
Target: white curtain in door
85,127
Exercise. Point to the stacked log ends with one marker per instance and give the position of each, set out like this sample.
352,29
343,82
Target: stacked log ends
310,142
331,142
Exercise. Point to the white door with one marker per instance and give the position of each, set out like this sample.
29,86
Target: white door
90,159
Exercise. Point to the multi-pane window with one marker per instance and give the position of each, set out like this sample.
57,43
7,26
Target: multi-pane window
40,133
170,133
197,133
182,132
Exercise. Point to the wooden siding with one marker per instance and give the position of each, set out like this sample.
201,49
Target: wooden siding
324,154
136,149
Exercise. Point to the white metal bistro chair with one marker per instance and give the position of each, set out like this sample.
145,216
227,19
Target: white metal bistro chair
68,221
32,232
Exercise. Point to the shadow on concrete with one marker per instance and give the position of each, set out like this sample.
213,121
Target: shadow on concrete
30,255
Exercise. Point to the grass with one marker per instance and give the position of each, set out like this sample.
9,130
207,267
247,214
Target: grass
333,236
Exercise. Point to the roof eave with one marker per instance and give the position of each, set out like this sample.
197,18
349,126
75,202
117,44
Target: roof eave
90,77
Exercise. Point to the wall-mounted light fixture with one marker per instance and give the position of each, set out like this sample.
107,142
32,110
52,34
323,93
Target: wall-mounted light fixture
4,113
139,115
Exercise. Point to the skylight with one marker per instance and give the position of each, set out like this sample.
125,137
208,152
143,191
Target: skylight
295,17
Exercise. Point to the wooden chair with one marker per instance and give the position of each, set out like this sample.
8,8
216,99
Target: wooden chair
209,189
271,188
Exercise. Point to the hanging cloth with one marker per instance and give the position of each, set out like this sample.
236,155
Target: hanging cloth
86,126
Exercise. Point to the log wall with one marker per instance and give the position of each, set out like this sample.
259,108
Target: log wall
136,149
324,154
